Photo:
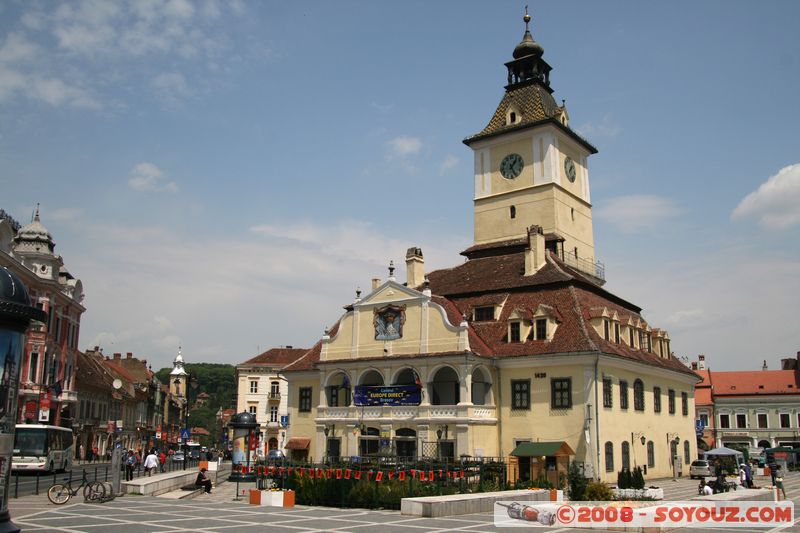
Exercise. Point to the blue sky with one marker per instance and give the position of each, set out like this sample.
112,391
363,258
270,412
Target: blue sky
222,176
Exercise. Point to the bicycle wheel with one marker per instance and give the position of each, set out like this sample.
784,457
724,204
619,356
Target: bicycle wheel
59,494
94,492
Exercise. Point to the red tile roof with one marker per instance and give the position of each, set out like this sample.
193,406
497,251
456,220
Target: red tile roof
758,382
277,357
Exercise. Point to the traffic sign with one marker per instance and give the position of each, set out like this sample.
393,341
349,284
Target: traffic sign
185,434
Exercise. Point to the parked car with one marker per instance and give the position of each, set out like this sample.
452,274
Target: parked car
700,469
177,457
275,455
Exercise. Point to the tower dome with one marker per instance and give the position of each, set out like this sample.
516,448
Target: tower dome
34,237
177,365
527,46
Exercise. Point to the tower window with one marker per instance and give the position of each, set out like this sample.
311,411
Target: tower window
512,211
512,118
572,213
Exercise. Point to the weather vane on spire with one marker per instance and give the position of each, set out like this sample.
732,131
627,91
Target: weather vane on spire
526,18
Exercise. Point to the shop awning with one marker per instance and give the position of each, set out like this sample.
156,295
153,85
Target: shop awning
298,443
538,449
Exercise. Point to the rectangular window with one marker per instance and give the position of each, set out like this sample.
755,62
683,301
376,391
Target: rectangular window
606,334
704,420
631,337
33,376
785,422
608,398
541,329
513,334
656,399
520,394
685,404
616,332
561,393
671,394
623,394
273,413
254,387
741,421
725,421
482,314
253,409
763,422
304,405
275,388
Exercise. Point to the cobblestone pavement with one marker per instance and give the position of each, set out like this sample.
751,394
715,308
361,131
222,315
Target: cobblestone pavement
219,512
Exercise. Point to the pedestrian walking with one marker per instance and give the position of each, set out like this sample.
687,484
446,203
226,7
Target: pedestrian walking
779,485
82,453
130,465
150,463
162,460
748,470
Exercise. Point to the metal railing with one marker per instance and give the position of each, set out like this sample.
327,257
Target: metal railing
588,265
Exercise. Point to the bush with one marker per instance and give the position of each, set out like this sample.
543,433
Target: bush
624,479
577,483
598,491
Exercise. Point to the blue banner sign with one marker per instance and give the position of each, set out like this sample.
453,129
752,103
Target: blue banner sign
390,395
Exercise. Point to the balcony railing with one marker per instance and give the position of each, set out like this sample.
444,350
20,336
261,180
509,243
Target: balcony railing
481,414
274,396
596,269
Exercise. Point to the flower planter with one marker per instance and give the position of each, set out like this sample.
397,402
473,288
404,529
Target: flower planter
272,498
653,493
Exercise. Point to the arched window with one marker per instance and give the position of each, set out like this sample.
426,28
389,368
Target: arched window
512,117
626,455
609,456
686,453
651,454
371,378
338,391
444,388
638,395
407,376
481,388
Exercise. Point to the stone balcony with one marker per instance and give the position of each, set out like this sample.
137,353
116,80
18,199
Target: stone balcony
420,414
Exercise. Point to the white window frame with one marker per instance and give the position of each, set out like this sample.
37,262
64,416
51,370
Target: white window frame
253,385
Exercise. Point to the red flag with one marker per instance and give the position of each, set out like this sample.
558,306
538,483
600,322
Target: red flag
431,476
338,473
440,474
379,475
347,474
369,475
461,474
448,474
290,470
260,471
358,474
402,475
422,475
391,474
282,470
301,471
413,473
272,471
330,473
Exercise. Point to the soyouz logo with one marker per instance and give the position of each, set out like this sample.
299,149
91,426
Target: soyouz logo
644,514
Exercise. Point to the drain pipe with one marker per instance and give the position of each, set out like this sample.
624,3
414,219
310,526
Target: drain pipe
498,403
596,416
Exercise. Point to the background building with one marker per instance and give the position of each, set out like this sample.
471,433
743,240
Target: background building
47,377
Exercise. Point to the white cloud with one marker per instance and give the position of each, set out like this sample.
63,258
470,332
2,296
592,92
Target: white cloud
65,214
607,127
404,146
171,87
17,48
776,202
637,212
449,163
685,316
148,177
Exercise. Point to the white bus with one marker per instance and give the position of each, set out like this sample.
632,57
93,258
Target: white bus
43,448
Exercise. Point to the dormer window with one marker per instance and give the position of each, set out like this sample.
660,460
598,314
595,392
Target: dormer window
483,314
541,329
512,117
514,329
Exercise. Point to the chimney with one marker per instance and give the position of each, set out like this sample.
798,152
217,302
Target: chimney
415,268
129,355
694,365
117,356
376,282
534,253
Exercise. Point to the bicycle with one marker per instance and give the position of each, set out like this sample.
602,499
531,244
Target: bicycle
60,493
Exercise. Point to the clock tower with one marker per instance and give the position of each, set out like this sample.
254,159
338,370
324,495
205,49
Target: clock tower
530,166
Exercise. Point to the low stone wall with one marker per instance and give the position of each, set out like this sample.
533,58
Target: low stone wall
482,502
158,484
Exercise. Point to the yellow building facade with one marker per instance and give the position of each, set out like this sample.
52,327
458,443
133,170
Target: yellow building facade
518,352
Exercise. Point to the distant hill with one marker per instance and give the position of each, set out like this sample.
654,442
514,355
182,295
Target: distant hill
216,380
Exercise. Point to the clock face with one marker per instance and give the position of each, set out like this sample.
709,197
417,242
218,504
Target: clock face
569,168
511,166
